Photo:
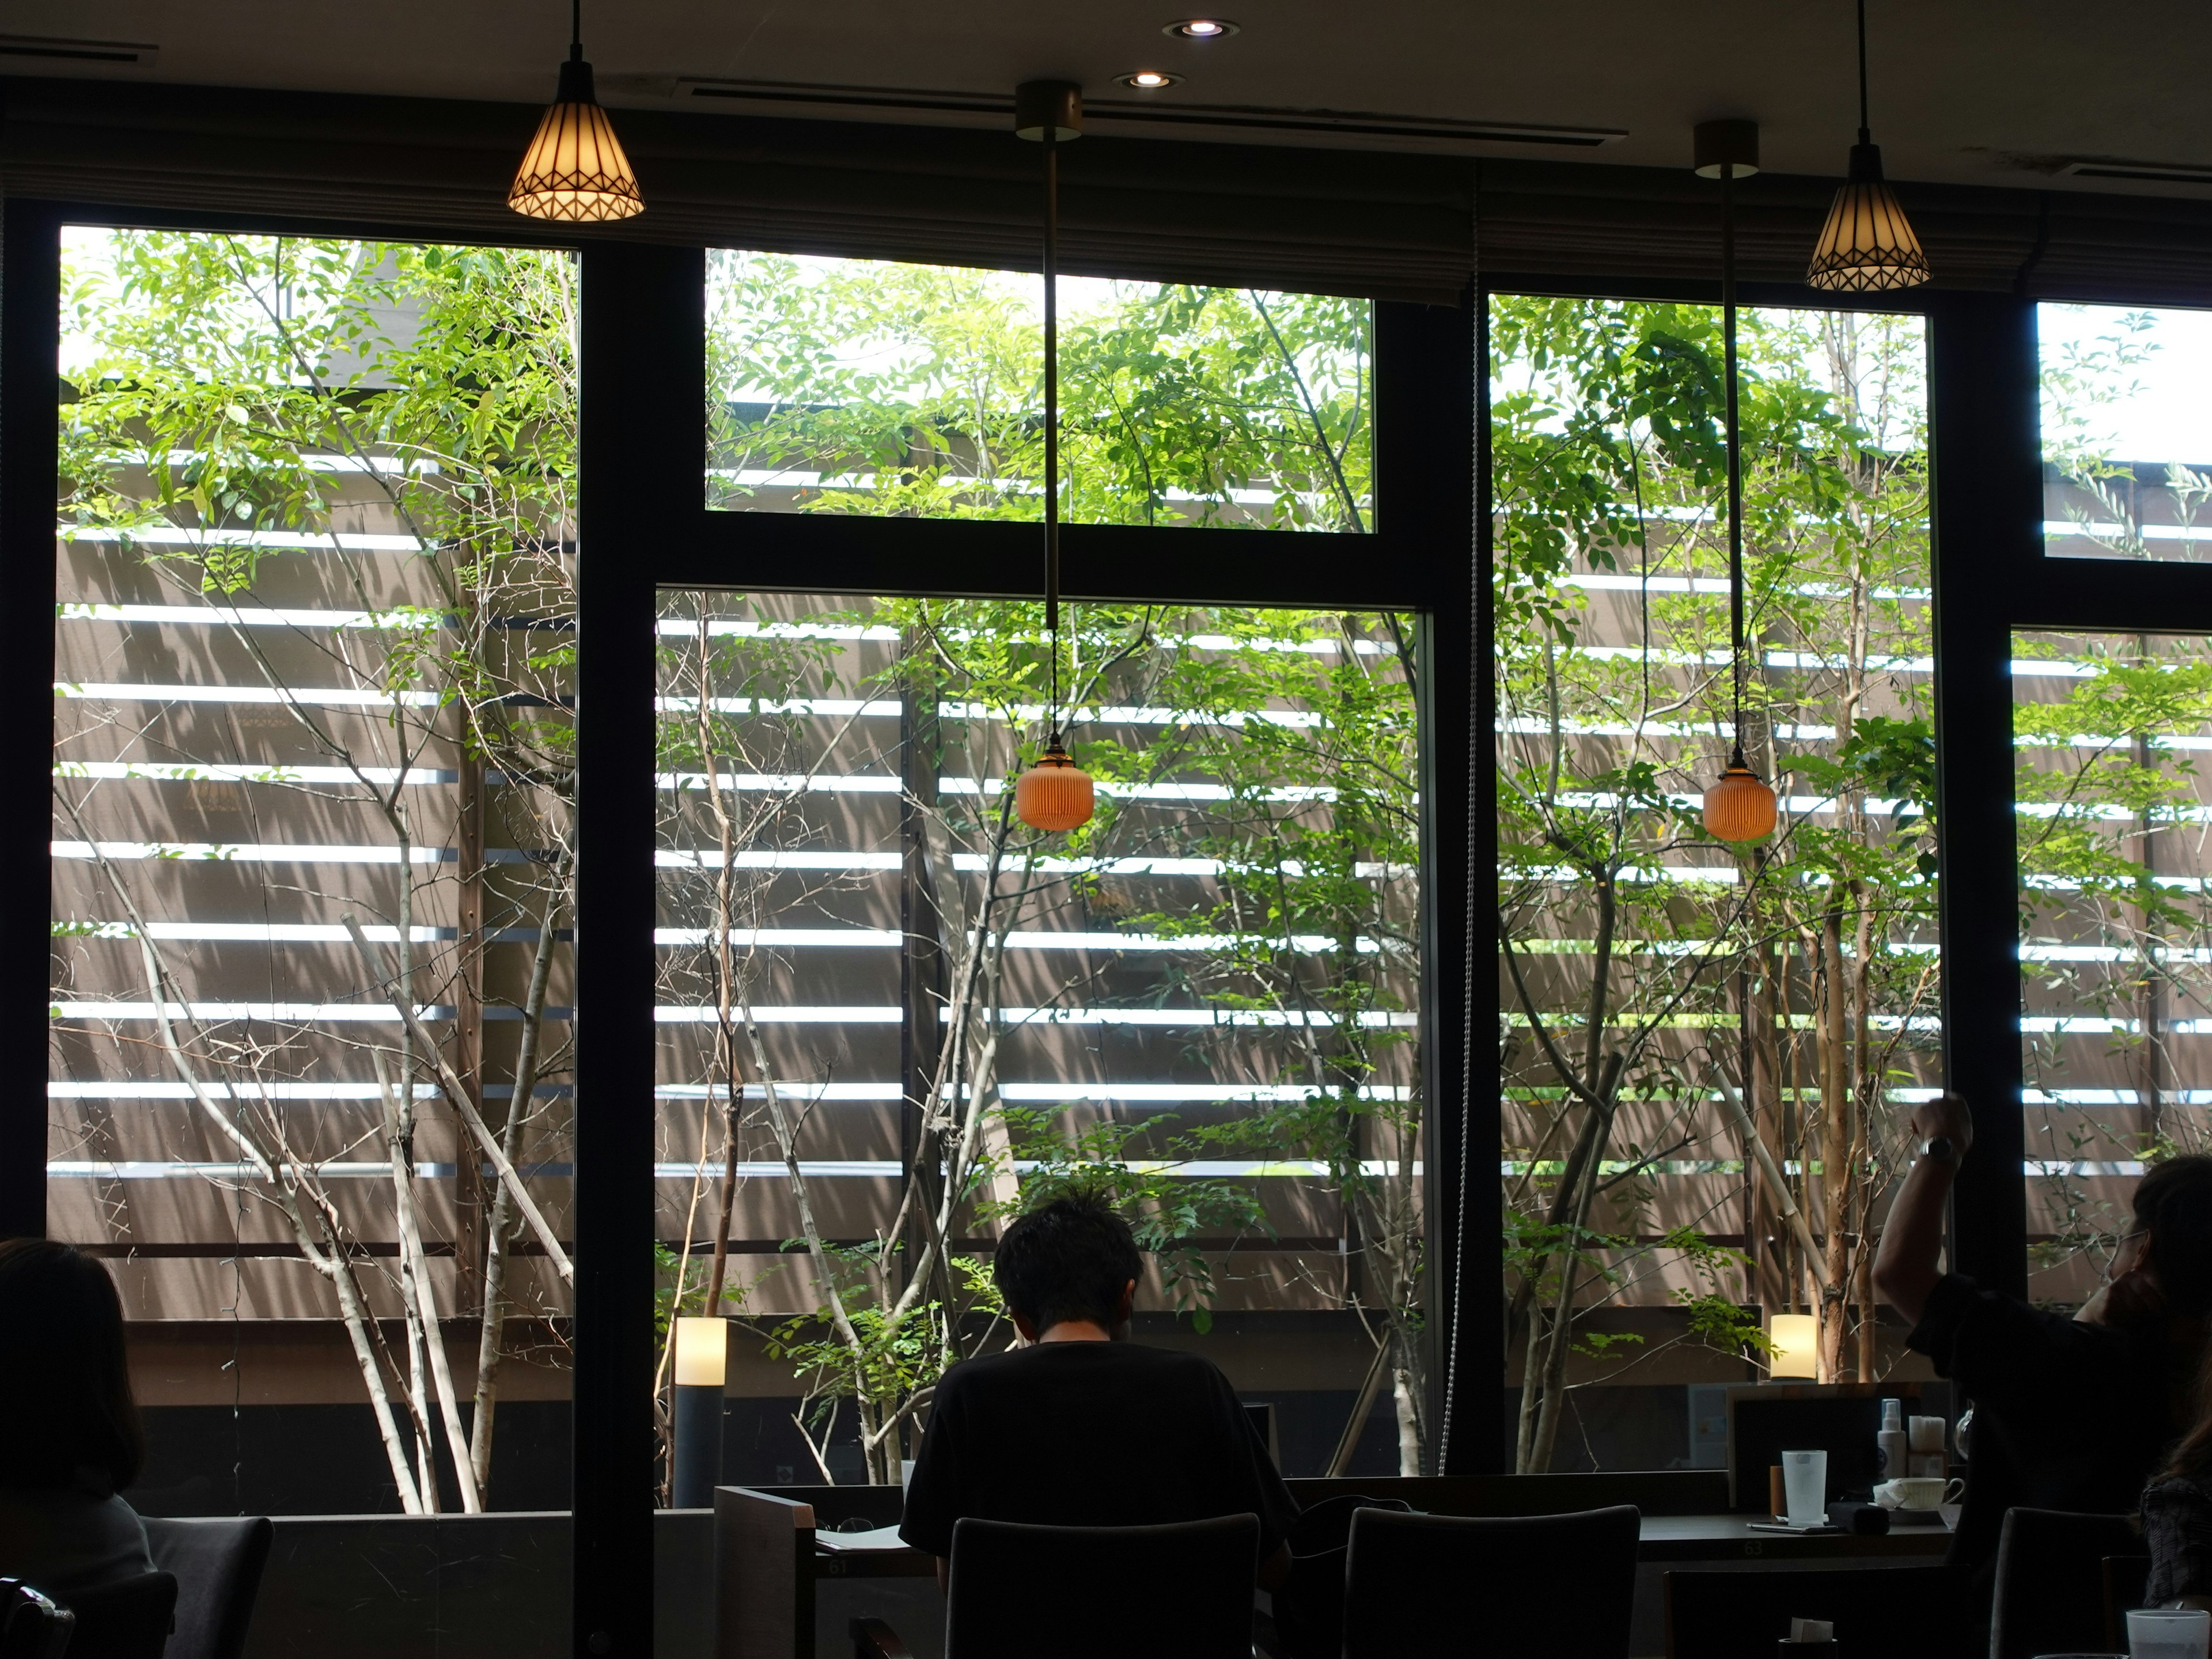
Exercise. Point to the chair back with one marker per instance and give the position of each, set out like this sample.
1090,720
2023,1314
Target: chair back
217,1565
127,1619
1653,1491
1438,1583
2127,1580
31,1626
1909,1612
1015,1591
2049,1594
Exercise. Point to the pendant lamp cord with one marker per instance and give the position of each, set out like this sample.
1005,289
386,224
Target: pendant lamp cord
1052,418
1477,736
575,30
1865,137
1735,452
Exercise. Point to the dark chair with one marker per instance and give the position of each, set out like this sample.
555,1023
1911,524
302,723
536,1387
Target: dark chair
2050,1581
1116,1590
217,1565
1436,1583
131,1619
2127,1579
1909,1612
31,1626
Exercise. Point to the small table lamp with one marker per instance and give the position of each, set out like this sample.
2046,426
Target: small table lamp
702,1360
1797,1340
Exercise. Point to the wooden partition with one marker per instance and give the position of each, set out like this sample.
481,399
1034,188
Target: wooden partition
763,1575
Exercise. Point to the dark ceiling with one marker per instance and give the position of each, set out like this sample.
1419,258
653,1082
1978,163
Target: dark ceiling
1996,92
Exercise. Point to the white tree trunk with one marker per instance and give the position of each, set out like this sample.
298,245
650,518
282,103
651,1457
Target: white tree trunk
1409,1425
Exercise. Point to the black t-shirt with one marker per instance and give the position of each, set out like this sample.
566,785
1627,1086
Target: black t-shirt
1089,1434
2067,1416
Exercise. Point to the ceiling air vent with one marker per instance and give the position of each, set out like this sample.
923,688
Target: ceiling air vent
2159,172
1133,115
25,51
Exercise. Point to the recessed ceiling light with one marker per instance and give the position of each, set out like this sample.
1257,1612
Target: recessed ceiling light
1148,80
1202,29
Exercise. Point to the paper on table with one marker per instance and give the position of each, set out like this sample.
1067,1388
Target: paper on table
879,1538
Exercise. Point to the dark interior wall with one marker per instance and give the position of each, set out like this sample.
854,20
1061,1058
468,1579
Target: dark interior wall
325,1459
1385,225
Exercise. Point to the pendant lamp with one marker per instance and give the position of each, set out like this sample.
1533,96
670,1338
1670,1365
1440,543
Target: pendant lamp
1866,244
574,169
1055,793
1739,806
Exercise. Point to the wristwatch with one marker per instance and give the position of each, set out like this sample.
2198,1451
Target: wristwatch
1937,1149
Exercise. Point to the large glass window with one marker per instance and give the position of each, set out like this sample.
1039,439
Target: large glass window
892,1016
313,793
2114,930
2127,440
853,385
1651,972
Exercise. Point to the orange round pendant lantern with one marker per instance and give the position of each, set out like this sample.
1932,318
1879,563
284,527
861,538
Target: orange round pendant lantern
1055,793
1739,806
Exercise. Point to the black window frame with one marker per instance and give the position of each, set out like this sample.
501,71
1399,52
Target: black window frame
642,394
1991,575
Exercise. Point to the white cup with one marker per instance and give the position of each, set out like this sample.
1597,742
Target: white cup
1917,1493
2158,1633
1805,1487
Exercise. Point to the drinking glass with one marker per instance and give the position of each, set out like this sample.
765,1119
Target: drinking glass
1805,1488
2156,1634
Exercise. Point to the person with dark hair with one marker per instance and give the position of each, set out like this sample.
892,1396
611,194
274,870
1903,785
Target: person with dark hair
69,1435
1079,1427
2070,1412
2177,1516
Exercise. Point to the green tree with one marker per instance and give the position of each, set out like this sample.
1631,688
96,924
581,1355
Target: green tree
1633,940
918,390
1294,731
241,394
2113,919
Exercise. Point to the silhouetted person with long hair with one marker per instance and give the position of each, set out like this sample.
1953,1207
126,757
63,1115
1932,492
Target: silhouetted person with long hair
69,1435
2069,1413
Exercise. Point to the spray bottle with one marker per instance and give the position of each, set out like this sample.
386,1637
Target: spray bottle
1891,1443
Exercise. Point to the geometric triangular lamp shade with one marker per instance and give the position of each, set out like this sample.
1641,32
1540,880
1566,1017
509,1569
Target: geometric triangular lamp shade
574,169
1868,244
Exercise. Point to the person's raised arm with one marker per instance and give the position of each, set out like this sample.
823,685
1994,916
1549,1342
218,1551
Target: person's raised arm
1906,1270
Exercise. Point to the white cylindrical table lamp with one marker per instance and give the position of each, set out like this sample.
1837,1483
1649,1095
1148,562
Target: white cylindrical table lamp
1797,1340
703,1358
